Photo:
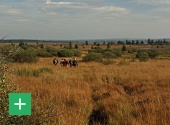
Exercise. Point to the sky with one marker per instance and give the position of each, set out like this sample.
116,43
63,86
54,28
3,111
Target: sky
84,19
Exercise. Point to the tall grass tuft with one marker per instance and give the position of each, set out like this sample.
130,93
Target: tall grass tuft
33,72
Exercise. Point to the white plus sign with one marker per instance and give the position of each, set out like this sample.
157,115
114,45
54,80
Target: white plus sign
19,103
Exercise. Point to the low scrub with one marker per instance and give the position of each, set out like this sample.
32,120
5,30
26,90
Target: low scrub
142,56
77,53
108,54
43,53
52,51
108,62
93,57
152,53
28,56
65,53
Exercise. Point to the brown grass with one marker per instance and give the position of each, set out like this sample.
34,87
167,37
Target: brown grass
137,93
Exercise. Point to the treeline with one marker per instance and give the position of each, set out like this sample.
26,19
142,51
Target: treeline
95,42
132,42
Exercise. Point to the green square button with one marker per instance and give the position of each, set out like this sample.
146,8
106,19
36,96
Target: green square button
19,103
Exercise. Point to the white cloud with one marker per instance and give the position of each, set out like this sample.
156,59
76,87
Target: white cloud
64,3
111,9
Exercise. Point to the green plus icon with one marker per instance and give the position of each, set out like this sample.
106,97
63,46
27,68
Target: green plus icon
19,103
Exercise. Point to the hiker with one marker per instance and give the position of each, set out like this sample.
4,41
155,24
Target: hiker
62,62
71,62
75,63
55,61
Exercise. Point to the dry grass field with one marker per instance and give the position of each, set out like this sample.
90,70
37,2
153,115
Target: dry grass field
133,93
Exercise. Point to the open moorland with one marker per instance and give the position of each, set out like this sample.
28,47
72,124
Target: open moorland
112,85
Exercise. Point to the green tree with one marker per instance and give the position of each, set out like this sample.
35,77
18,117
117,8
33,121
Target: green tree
95,43
70,45
124,48
86,42
142,42
108,45
76,46
133,42
137,42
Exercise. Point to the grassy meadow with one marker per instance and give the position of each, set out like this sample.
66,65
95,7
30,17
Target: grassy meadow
129,93
119,89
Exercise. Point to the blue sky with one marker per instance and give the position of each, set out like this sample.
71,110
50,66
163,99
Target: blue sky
84,19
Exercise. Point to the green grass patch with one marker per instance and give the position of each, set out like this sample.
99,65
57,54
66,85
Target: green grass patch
33,72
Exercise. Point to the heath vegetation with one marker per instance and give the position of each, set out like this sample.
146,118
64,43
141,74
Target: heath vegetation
115,85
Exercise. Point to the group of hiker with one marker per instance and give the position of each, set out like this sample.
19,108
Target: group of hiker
66,62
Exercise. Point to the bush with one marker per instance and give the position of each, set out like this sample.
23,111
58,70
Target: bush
93,57
77,53
8,51
108,62
153,53
108,54
28,56
97,50
65,53
43,53
117,52
142,56
53,51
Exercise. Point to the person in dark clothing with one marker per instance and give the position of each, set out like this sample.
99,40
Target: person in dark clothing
71,62
75,63
55,61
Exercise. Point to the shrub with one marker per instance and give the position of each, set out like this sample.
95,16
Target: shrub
43,53
97,50
8,51
53,51
108,54
77,53
28,56
142,56
92,57
117,52
153,53
108,62
65,53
